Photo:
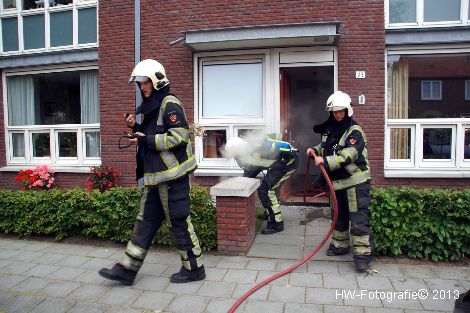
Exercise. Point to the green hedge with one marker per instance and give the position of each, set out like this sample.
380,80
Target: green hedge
110,215
421,223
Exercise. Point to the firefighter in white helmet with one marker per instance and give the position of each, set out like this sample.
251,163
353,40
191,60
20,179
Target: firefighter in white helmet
164,162
343,152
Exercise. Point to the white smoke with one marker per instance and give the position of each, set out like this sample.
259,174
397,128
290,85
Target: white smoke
243,149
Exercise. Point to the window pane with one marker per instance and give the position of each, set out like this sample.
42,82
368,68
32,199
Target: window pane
437,143
59,98
400,143
467,90
18,145
20,98
213,142
53,98
447,72
54,3
10,34
232,90
41,145
61,29
87,25
92,141
33,31
9,4
436,90
467,144
439,10
426,90
32,4
250,133
67,145
402,11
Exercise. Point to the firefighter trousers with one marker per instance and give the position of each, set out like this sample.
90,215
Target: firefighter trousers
269,190
168,201
353,205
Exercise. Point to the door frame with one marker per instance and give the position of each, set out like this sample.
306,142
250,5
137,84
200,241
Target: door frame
276,72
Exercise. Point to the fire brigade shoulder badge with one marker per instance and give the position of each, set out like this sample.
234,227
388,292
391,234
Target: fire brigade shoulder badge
352,140
173,118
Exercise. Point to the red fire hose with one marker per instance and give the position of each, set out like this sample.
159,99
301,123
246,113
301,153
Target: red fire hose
311,254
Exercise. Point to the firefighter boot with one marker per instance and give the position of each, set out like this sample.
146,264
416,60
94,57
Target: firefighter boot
332,250
186,276
273,227
119,273
362,267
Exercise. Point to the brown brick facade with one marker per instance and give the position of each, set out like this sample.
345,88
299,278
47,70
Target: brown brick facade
361,47
116,61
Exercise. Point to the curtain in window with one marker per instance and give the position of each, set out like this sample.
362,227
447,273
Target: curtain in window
398,107
20,91
90,109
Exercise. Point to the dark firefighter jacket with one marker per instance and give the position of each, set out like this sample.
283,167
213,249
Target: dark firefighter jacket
165,153
345,155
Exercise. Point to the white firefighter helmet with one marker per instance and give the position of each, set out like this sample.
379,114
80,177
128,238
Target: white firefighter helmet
339,101
236,147
150,69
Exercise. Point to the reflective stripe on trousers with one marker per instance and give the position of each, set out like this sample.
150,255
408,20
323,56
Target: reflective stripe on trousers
353,204
171,202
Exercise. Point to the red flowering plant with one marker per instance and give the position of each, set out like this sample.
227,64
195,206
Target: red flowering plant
41,178
102,178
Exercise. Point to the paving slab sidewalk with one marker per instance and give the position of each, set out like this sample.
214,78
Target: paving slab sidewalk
37,276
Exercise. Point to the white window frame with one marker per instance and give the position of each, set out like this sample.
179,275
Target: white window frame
457,166
463,20
266,121
467,89
431,82
46,12
79,164
270,123
89,160
465,162
400,163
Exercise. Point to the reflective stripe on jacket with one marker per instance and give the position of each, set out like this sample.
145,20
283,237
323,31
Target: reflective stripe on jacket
348,162
171,151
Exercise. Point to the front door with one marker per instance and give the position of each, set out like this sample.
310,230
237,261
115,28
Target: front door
303,94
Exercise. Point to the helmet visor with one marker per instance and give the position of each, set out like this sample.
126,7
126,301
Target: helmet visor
335,108
139,79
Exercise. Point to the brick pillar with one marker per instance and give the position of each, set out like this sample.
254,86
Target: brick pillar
235,207
235,223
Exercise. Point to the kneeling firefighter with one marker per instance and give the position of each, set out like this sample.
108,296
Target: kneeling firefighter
164,162
343,152
279,158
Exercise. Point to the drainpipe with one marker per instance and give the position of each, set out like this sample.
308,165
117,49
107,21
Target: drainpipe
138,94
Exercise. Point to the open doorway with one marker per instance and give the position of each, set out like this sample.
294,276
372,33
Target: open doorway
304,91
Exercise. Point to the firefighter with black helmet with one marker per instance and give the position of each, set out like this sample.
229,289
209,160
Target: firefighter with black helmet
343,152
164,162
280,160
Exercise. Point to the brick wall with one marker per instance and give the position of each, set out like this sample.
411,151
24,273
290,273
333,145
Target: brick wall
235,224
116,62
361,47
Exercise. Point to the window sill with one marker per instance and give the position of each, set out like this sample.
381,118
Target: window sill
409,173
208,171
59,169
